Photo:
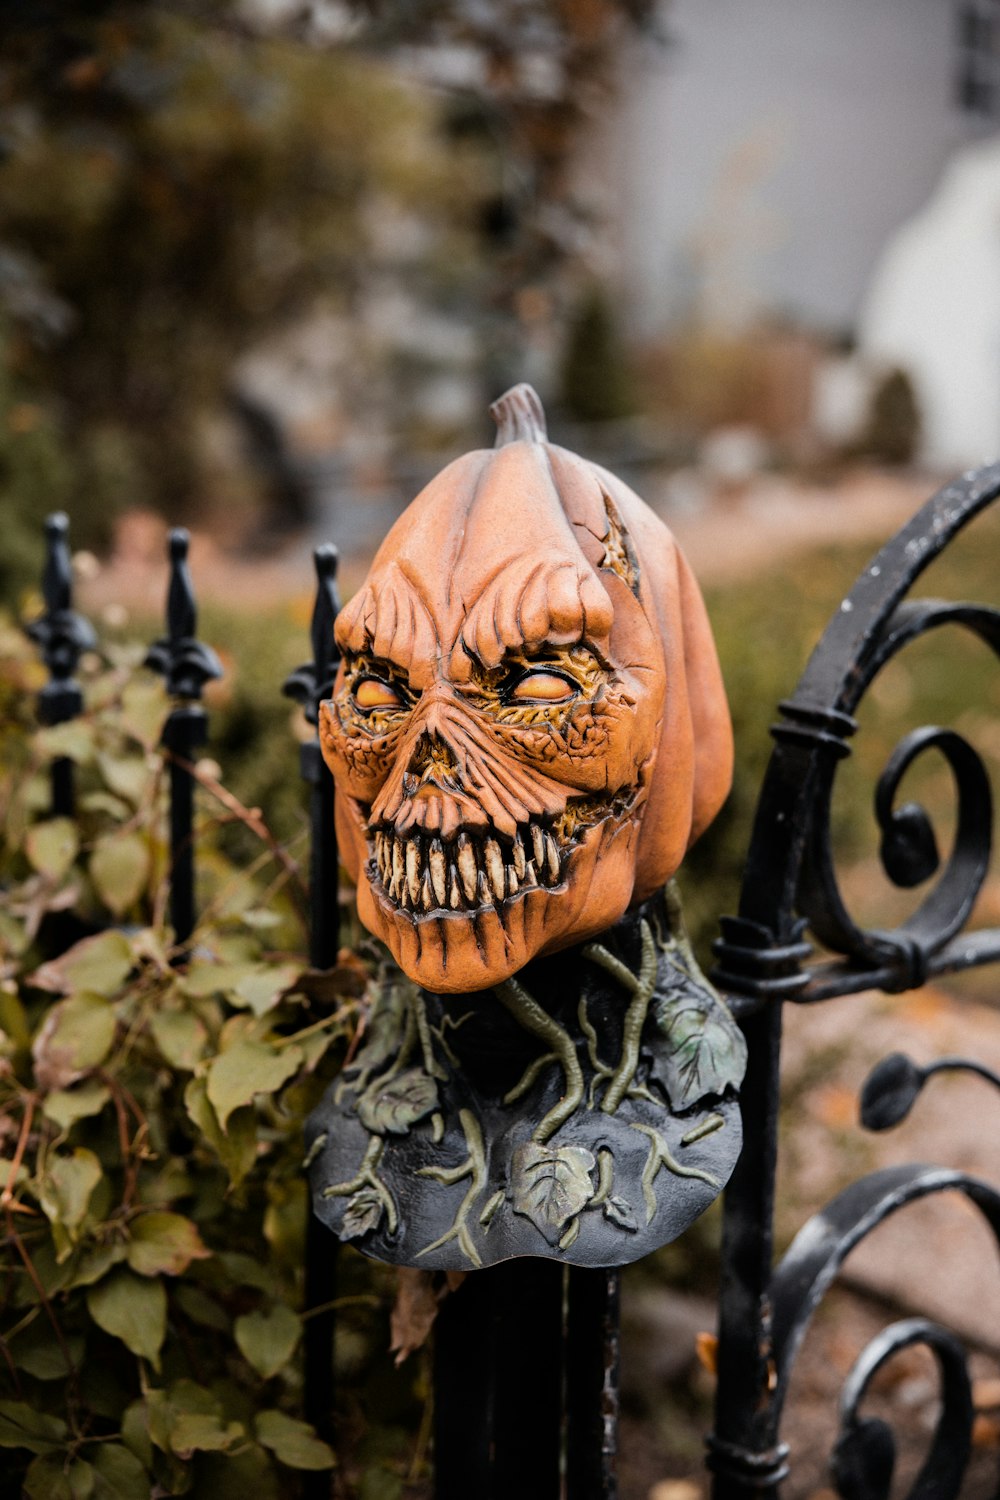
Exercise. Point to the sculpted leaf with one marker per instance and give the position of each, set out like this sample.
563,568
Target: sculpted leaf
700,1050
550,1185
362,1215
621,1213
391,1108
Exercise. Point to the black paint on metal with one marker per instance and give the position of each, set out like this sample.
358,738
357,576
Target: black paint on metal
791,910
186,664
63,636
309,685
591,1387
498,1379
864,1456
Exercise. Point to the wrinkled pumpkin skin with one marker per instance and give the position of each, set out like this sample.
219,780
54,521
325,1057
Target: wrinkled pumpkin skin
529,726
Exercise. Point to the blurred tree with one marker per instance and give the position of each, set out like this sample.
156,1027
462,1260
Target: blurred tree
179,178
171,188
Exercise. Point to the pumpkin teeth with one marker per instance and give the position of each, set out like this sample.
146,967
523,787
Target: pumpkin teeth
474,872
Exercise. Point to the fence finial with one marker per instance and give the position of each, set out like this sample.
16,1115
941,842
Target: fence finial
186,663
310,683
61,634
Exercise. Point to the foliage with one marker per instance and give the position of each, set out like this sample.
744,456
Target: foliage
175,188
151,1190
595,376
893,425
181,182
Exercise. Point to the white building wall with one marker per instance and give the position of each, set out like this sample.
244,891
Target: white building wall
761,161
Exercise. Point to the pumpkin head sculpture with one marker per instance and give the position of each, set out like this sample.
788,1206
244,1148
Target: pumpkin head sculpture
529,726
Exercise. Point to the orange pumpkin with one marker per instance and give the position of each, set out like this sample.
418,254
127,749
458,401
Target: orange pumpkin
529,726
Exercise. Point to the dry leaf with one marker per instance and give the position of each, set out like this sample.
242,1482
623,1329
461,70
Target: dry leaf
676,1489
706,1346
986,1394
414,1311
986,1432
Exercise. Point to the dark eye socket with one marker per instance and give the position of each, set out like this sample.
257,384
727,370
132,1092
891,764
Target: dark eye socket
374,692
542,685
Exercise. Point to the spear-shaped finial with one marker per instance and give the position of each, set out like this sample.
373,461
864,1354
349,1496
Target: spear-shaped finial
61,633
313,681
185,662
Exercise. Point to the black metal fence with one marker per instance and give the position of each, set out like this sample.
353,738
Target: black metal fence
526,1360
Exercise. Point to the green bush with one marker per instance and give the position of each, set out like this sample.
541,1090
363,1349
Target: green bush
151,1181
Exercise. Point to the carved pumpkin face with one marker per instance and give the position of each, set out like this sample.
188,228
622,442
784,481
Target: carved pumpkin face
528,727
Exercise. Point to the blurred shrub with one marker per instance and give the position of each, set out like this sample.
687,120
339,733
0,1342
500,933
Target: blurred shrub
892,430
700,378
595,384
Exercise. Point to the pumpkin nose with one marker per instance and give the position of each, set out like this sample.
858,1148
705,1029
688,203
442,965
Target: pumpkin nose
432,762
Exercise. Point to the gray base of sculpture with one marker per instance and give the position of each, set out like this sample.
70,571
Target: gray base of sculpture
584,1111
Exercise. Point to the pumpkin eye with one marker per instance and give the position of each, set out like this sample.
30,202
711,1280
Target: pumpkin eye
372,692
542,687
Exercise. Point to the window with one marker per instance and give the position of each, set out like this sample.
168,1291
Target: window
977,78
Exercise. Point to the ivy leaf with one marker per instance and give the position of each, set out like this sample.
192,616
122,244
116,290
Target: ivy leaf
144,708
392,1108
52,846
620,1212
203,1432
64,1194
74,740
65,1106
362,1214
261,989
125,775
21,1426
49,1478
267,1339
37,1350
245,1069
236,1146
699,1051
550,1185
100,964
118,1474
210,978
119,868
164,1243
180,1036
133,1309
95,1263
76,1037
293,1443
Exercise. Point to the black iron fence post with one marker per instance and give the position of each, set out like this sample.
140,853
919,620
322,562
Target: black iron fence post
309,685
63,636
186,665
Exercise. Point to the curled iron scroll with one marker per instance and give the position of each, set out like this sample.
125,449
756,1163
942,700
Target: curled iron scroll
790,880
908,844
800,1283
864,1456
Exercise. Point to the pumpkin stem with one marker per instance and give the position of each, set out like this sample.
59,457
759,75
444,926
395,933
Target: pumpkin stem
519,416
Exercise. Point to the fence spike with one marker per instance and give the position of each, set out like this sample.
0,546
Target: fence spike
185,662
61,633
312,682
